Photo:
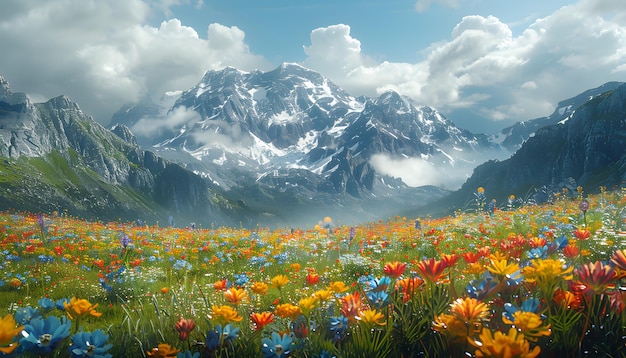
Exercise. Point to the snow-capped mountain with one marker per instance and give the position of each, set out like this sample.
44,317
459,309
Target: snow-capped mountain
265,125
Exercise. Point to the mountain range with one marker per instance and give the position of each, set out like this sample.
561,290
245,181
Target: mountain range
287,147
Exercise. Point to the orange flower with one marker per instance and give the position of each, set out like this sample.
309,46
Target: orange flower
431,269
351,305
164,290
259,288
262,319
571,251
80,308
163,351
8,333
235,295
568,299
465,318
582,234
394,269
499,344
220,285
287,310
408,287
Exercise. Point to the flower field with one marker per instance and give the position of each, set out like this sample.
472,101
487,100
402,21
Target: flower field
518,280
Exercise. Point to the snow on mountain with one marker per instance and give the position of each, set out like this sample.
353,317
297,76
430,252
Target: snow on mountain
292,118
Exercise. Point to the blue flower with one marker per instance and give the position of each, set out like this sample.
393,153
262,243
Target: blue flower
538,252
60,303
93,345
188,354
529,305
215,338
277,347
481,289
374,284
338,326
46,304
24,315
228,333
42,337
378,299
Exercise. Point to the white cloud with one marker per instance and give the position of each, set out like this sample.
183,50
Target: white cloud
485,69
417,172
150,126
103,54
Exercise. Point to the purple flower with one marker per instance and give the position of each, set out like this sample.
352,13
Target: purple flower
125,240
584,205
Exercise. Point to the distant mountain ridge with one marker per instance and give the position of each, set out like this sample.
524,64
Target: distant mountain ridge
586,149
59,159
293,119
287,147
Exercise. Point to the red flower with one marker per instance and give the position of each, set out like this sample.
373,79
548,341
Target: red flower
262,319
618,258
582,234
183,327
431,269
571,251
596,276
471,257
449,259
312,278
394,269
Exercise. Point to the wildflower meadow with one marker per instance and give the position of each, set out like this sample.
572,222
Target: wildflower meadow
511,280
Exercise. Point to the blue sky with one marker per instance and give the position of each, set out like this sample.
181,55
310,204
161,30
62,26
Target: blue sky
484,64
392,30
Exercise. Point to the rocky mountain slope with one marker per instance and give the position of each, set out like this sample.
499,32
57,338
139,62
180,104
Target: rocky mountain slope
586,149
56,158
292,134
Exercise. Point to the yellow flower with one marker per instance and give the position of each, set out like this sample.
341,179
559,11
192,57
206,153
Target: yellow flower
467,315
235,295
371,317
475,268
279,281
546,273
260,288
307,304
323,295
225,314
8,332
504,269
163,351
529,323
508,345
338,287
80,308
287,310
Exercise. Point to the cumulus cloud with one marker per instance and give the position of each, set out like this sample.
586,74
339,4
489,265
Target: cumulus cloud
484,69
103,54
417,172
152,126
106,53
